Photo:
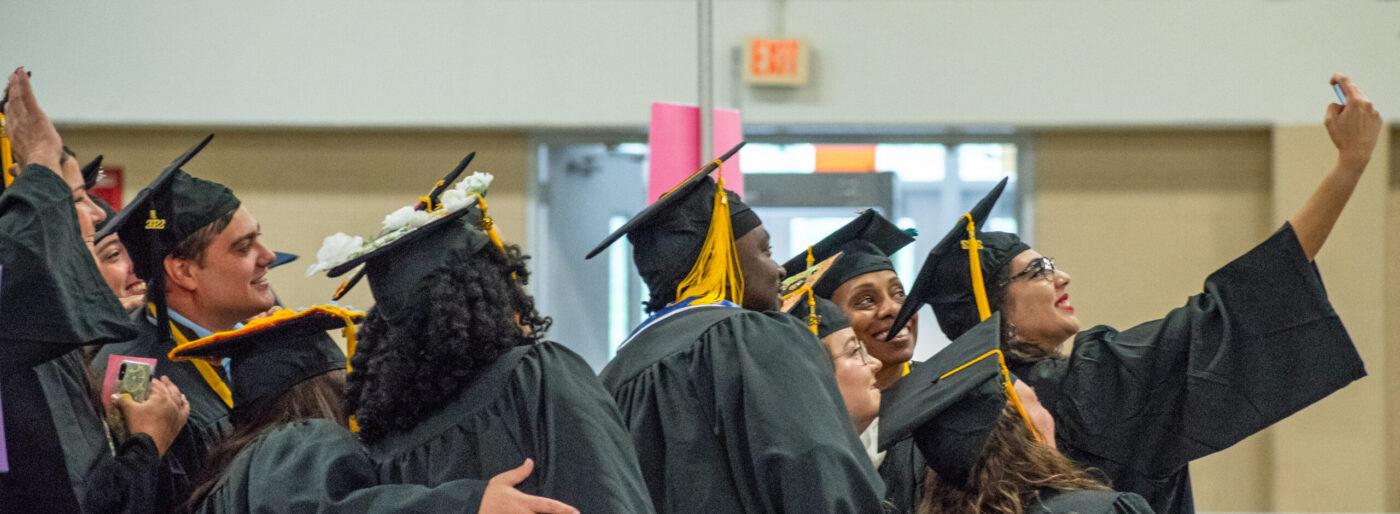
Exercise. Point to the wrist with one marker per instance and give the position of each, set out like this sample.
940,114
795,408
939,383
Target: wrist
1352,163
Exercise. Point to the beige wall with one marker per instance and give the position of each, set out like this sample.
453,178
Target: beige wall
303,185
1139,218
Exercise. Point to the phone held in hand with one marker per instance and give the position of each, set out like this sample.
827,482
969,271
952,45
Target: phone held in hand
129,375
134,379
1341,98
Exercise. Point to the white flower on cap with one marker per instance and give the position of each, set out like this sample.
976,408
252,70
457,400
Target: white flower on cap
336,248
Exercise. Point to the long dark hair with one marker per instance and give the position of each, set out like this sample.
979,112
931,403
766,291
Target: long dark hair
1013,470
318,397
470,315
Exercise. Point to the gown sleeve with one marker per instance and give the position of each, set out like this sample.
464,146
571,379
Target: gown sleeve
317,466
774,403
1258,344
52,298
586,457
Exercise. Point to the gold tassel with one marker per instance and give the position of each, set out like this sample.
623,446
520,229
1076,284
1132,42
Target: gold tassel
6,158
488,225
716,275
984,311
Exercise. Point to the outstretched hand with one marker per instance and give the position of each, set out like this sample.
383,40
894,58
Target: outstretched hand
502,496
1355,127
33,137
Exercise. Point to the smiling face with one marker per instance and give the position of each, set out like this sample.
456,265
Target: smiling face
855,376
871,301
228,284
1037,302
117,270
762,274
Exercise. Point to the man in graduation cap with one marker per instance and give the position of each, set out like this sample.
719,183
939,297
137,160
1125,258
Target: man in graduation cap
1140,404
732,409
53,301
199,252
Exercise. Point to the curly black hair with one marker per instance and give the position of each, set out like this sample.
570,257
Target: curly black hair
471,314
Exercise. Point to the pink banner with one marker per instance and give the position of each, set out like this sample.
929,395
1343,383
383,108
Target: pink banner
675,147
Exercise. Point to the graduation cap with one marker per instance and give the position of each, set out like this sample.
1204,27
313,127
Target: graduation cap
92,172
171,208
867,242
399,260
282,258
685,239
796,292
950,403
827,315
268,356
468,192
960,270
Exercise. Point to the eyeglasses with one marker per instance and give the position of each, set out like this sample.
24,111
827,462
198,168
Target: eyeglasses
1043,268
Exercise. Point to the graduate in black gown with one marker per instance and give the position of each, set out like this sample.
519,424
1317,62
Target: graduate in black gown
851,267
961,411
1140,404
199,253
452,377
731,408
52,301
289,449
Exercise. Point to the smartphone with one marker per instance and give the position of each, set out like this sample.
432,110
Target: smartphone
134,379
1341,98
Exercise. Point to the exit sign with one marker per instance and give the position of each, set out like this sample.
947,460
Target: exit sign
775,61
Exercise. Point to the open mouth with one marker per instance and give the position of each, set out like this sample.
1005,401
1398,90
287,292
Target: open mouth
901,338
1063,303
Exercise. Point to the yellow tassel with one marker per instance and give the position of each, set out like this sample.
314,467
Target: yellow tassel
5,155
488,225
716,275
354,424
979,290
984,311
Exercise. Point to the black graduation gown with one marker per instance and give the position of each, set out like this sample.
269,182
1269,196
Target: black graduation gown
541,402
53,300
737,411
903,474
1260,343
1089,502
209,416
318,466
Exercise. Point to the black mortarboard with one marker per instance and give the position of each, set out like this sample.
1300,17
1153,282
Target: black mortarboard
799,300
282,258
866,243
427,203
170,209
669,235
270,355
830,319
92,172
398,271
949,403
946,281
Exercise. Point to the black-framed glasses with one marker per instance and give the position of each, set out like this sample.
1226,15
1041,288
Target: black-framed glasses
1043,268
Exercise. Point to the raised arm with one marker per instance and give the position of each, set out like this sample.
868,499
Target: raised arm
1354,130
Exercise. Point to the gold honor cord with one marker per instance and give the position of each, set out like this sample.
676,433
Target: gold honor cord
206,371
716,275
979,293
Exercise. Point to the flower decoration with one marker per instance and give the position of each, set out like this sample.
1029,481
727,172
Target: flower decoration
340,247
